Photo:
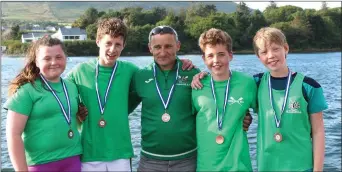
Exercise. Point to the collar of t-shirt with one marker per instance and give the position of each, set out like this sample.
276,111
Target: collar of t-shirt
279,83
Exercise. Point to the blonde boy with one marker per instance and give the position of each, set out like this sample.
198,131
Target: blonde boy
290,118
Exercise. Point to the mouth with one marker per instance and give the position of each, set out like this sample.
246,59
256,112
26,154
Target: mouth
217,66
53,68
111,56
272,63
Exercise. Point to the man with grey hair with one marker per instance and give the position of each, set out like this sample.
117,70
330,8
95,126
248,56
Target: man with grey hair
167,120
168,130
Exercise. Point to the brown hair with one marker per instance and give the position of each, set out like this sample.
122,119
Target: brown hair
268,35
31,72
214,37
113,26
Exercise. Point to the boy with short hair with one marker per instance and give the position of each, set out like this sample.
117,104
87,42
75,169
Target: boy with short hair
289,112
221,106
103,84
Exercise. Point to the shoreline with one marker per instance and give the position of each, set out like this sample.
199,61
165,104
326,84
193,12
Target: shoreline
129,54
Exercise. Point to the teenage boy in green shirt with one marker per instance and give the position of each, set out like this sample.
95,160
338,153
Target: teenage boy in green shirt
221,106
290,112
103,85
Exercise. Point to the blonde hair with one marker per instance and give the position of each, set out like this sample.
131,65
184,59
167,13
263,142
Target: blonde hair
214,37
268,35
31,72
115,27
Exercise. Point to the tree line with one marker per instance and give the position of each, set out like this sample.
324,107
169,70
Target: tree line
305,29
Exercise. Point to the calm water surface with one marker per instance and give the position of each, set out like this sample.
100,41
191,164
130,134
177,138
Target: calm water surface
325,68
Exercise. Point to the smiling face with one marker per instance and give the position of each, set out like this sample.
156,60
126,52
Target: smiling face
110,49
164,48
273,56
51,62
217,58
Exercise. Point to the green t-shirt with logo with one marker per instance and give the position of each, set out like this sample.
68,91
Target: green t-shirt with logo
295,151
175,139
114,140
233,153
45,136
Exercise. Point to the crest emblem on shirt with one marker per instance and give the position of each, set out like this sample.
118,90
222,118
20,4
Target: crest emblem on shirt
232,100
293,107
183,80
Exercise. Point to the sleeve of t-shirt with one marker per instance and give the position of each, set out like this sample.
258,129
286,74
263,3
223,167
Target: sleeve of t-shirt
257,79
254,93
70,76
20,102
133,99
194,112
316,99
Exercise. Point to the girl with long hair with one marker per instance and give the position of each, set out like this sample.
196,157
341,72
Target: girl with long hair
41,124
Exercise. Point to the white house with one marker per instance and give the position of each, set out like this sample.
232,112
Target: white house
33,36
38,29
70,34
50,28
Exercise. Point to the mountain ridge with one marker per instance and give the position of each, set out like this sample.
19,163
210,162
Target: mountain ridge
65,11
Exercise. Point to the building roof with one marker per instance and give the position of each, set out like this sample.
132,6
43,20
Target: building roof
34,35
72,31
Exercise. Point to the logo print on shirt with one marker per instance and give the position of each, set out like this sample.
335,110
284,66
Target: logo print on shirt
294,107
149,80
183,80
233,101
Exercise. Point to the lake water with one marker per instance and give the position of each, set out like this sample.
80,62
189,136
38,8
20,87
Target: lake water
325,68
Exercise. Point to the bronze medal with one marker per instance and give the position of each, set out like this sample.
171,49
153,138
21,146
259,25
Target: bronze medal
102,123
219,139
278,137
70,134
166,117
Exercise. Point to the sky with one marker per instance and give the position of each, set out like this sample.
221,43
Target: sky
305,5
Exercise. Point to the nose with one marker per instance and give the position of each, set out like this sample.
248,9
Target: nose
162,51
215,59
111,48
53,61
270,54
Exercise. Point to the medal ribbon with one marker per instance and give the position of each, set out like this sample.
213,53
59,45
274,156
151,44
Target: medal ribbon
171,90
285,97
218,119
66,116
103,104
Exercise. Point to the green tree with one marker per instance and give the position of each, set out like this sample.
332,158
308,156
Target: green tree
15,32
243,8
280,14
91,31
324,6
89,17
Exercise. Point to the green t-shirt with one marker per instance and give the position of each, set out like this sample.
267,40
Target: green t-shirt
158,137
114,140
45,135
294,152
233,153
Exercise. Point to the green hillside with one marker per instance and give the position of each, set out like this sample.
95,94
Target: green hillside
70,11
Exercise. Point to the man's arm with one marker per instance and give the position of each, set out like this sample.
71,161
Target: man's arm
133,98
